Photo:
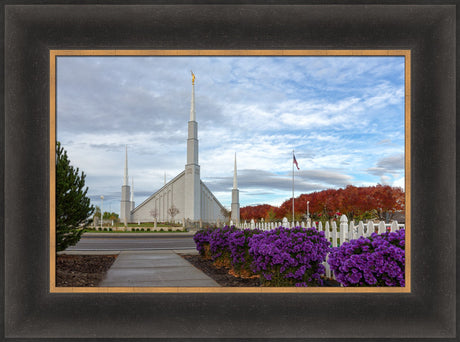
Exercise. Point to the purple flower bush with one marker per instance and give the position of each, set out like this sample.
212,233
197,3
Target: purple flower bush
219,240
378,260
239,250
289,257
201,239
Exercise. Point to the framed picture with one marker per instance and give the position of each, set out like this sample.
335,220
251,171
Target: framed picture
36,34
378,112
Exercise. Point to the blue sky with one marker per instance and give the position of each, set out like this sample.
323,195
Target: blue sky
343,116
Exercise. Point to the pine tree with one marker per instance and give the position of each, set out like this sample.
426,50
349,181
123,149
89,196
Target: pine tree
73,208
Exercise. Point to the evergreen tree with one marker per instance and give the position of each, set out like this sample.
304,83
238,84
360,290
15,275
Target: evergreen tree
73,208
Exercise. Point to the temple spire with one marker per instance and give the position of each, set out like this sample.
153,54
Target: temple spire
125,205
132,189
192,184
192,107
235,209
125,178
235,181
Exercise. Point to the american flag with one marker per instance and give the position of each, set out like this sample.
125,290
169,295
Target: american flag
295,162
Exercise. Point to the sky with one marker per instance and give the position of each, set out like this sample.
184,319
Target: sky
342,116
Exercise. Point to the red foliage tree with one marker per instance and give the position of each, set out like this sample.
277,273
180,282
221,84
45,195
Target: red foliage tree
256,212
357,203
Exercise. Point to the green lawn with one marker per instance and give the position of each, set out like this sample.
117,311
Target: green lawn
138,230
145,227
133,231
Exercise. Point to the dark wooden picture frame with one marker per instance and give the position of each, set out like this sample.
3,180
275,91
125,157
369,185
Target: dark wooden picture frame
32,312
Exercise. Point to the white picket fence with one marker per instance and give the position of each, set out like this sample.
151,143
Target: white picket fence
337,235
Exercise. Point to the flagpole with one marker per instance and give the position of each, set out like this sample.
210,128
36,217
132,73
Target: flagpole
292,187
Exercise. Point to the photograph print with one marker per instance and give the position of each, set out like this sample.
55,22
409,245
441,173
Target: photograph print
243,173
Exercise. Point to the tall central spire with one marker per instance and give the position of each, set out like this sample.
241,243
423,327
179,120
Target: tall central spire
192,210
235,181
192,141
192,107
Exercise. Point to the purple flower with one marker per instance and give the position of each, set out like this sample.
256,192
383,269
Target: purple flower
238,245
219,242
201,239
302,284
375,261
291,256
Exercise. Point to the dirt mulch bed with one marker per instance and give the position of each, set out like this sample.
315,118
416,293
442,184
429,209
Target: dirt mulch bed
82,270
220,275
223,278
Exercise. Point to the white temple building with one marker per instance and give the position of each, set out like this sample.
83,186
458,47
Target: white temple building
185,192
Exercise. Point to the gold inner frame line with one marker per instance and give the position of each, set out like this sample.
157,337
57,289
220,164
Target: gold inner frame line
54,54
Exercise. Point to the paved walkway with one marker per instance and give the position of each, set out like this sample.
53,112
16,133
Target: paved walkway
162,268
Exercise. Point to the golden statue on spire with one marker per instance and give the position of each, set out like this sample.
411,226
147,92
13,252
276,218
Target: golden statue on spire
193,77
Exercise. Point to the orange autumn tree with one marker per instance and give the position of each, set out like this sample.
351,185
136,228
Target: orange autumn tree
357,203
257,212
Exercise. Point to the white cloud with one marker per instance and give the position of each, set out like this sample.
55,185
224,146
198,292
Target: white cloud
400,182
340,115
